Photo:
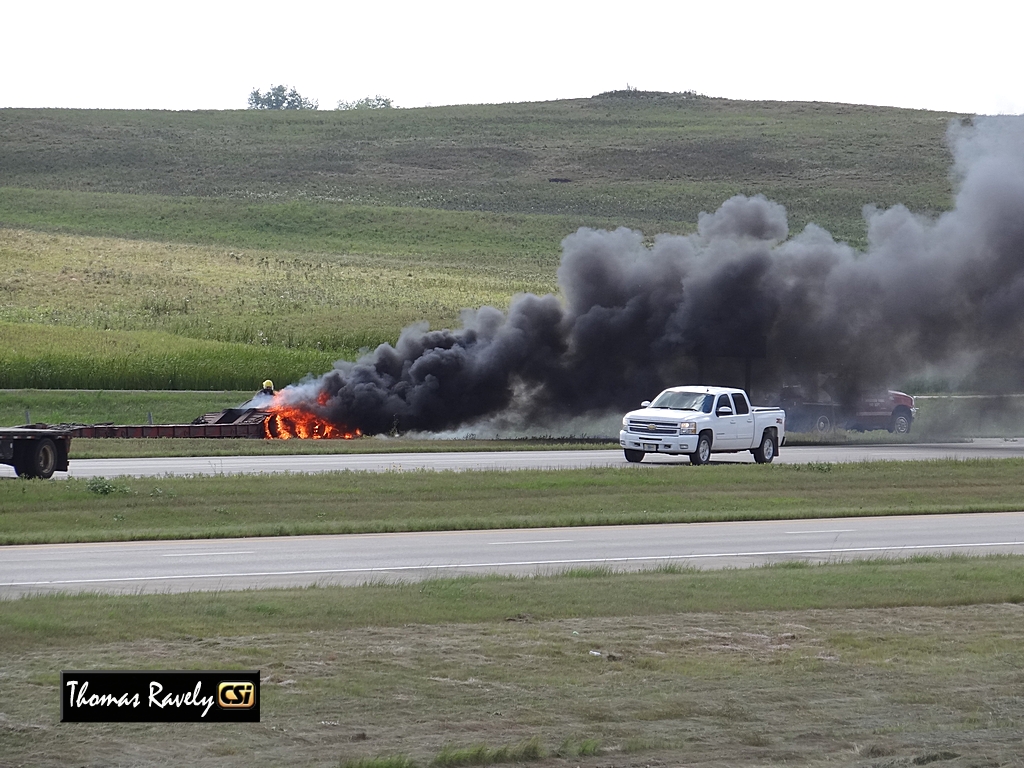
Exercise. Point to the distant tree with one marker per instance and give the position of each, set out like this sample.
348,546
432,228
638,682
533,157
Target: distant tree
367,102
632,92
280,97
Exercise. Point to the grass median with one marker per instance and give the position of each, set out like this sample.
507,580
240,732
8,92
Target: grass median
101,509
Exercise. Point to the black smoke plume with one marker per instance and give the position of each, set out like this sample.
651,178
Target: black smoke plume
632,318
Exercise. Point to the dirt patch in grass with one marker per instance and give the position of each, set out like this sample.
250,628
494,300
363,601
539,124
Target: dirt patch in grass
907,686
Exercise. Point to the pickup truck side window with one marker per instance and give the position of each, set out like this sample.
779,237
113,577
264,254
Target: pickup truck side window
741,403
723,402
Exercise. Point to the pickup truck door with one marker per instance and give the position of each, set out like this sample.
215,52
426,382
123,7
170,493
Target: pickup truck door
744,431
725,426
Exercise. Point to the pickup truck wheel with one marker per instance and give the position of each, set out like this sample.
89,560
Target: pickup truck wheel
900,423
765,452
634,457
38,459
703,453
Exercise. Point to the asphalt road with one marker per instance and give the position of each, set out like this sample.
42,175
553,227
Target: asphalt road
229,564
391,462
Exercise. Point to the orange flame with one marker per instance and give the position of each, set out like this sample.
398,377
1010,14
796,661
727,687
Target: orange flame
287,421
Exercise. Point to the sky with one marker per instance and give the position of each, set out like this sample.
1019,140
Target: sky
189,54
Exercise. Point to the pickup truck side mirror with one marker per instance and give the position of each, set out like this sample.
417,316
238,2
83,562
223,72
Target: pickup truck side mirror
725,410
645,403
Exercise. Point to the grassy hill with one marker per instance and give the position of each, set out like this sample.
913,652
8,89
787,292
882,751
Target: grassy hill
314,234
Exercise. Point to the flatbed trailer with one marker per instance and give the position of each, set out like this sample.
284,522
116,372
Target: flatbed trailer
39,450
35,450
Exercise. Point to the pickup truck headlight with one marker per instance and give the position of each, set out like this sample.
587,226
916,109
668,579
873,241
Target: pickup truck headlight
688,428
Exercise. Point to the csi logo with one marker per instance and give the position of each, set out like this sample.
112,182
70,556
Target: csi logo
236,695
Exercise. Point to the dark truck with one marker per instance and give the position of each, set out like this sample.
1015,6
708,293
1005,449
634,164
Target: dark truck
891,410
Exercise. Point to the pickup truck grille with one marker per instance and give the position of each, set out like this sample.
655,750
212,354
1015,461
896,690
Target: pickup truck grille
648,427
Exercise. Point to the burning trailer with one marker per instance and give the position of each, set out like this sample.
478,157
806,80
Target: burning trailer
39,450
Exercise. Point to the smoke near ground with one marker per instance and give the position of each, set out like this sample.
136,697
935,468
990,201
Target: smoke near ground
632,318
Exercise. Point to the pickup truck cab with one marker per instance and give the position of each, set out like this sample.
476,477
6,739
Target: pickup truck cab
699,421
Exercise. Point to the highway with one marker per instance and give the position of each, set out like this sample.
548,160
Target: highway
231,564
507,460
226,564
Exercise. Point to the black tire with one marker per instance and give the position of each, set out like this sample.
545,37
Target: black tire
633,457
38,459
822,424
766,451
900,423
703,453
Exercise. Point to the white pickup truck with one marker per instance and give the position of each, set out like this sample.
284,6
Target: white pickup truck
699,421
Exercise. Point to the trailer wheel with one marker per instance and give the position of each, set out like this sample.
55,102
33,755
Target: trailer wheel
766,451
822,424
634,457
38,459
703,453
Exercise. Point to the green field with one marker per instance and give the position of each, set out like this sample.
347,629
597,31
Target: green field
295,239
63,406
631,159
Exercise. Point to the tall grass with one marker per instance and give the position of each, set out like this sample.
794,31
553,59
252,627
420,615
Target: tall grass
75,358
117,406
325,307
451,756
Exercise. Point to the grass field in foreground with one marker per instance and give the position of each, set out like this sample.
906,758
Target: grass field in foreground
909,663
357,502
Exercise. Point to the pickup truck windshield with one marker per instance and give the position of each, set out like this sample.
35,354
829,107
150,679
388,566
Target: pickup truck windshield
684,401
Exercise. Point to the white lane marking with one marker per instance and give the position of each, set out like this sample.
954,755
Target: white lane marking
209,554
831,530
512,564
535,541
